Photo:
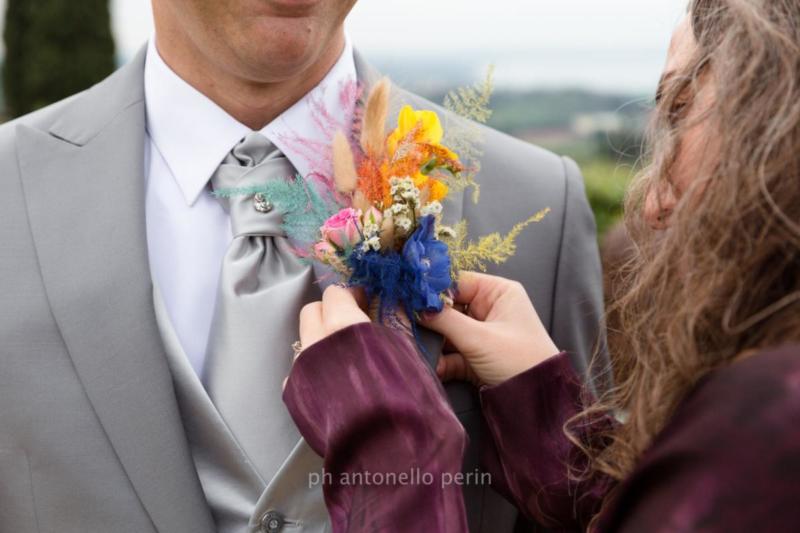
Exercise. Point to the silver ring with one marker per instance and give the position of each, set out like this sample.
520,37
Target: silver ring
297,346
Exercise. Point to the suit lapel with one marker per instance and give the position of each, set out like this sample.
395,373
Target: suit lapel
84,188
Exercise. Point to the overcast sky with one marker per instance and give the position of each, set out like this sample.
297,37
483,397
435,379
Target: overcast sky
606,30
458,25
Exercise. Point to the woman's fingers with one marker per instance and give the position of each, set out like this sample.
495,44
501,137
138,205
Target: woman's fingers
453,367
311,325
468,284
460,330
337,296
480,292
340,309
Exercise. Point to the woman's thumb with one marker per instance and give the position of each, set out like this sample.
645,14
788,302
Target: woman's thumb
461,330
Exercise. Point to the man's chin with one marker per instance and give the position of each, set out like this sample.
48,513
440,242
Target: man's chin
273,64
283,48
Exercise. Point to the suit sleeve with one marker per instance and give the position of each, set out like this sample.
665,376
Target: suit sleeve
578,294
367,403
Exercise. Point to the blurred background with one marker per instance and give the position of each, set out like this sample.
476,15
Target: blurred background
575,76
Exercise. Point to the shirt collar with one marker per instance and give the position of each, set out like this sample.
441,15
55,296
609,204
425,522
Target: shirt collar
193,134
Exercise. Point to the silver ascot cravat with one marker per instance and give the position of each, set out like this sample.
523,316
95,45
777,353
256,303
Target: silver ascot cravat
263,286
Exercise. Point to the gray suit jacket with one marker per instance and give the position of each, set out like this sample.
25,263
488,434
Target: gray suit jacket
91,438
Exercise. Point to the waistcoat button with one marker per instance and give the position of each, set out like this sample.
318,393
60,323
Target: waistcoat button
272,522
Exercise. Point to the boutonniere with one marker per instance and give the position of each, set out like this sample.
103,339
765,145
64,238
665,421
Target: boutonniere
390,239
377,222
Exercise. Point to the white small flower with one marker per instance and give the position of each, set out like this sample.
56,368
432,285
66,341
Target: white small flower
432,208
410,194
403,223
398,209
398,185
445,232
371,229
373,243
402,184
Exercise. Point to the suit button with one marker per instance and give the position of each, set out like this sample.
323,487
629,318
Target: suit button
272,522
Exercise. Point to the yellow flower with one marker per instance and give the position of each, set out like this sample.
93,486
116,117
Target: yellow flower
420,180
428,129
438,189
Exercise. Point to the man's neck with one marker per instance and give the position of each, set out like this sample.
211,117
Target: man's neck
252,103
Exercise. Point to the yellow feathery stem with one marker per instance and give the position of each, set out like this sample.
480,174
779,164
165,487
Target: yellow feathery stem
373,131
472,102
464,137
492,248
344,166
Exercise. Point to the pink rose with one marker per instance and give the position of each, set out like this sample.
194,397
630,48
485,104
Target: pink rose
343,229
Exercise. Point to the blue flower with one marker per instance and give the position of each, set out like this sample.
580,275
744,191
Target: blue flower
381,275
428,268
412,280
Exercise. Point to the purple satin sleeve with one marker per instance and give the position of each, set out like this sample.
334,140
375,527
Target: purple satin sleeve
532,458
729,458
725,461
366,402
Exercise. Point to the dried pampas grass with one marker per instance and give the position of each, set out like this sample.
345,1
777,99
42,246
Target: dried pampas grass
373,132
344,166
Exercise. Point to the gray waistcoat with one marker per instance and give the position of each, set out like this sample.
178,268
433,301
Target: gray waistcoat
241,500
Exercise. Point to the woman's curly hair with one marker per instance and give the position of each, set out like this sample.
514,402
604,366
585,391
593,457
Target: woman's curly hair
723,279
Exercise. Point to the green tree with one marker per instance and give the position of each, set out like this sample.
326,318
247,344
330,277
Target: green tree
54,48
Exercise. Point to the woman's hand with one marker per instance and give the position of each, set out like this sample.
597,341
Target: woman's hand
338,310
500,335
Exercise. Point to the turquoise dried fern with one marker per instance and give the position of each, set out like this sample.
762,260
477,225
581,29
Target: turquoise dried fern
305,208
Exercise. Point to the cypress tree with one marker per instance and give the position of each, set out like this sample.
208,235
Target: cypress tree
54,48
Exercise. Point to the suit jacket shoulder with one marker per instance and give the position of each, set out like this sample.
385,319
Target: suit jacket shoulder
80,117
